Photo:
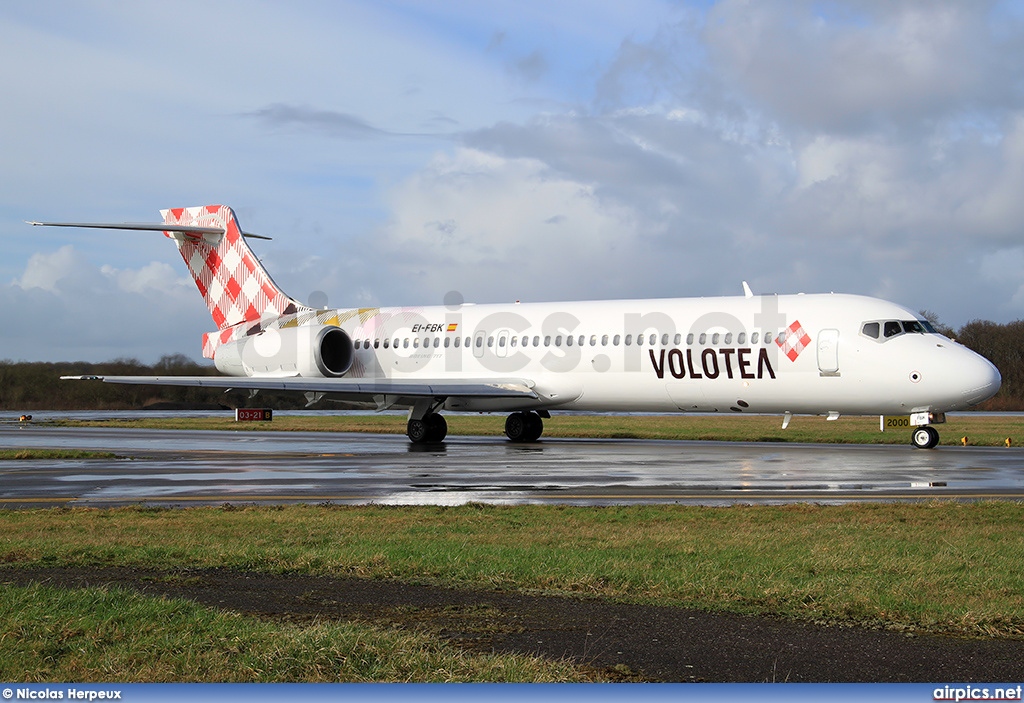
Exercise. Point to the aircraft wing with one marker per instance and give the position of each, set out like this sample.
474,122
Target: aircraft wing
365,388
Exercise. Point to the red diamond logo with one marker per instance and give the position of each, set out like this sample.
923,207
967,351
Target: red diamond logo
794,341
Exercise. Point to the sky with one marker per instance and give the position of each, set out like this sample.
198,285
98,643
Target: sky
507,150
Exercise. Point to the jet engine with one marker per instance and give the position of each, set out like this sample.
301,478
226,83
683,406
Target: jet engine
309,350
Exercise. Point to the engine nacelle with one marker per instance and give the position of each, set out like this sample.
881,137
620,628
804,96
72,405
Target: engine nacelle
309,350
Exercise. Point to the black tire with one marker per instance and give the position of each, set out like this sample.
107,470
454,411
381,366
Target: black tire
437,427
925,438
417,431
515,427
534,427
524,426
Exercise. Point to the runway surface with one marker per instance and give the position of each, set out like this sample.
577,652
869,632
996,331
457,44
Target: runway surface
177,467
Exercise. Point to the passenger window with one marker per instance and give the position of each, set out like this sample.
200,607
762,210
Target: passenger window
558,340
547,341
714,338
568,341
871,329
678,339
490,341
615,340
664,340
639,340
536,341
629,340
457,340
702,339
689,339
653,340
728,338
466,343
376,343
512,341
448,341
405,343
741,338
892,328
437,342
593,340
479,342
754,337
604,340
501,342
580,340
387,343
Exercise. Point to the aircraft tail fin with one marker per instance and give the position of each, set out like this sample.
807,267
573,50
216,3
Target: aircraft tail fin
227,273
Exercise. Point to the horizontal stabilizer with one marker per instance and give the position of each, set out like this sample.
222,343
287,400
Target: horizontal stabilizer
144,227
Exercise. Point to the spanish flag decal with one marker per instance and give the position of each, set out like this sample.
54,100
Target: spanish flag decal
453,326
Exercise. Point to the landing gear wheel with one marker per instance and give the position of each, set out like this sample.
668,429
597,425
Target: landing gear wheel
925,438
437,427
534,427
524,427
432,428
417,431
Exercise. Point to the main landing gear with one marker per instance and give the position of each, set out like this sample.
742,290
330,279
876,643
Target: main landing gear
431,428
925,437
524,426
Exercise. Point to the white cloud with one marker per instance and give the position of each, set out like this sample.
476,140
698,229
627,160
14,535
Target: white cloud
66,308
46,271
858,65
503,228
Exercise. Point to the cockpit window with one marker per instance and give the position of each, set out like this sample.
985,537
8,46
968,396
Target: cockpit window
892,328
895,328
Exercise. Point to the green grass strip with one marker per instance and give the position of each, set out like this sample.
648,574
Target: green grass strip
979,430
938,567
16,454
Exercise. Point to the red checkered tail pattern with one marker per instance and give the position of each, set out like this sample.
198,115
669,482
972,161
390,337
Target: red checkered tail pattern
230,278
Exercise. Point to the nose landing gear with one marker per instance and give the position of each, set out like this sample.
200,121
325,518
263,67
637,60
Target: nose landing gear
925,437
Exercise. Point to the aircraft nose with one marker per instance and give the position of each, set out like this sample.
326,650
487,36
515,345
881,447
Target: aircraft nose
981,380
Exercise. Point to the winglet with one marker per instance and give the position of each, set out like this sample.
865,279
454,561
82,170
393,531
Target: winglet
747,293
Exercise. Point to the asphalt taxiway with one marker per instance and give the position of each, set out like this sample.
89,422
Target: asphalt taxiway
179,467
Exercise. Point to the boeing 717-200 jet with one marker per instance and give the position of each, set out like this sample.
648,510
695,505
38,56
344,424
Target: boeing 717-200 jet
784,354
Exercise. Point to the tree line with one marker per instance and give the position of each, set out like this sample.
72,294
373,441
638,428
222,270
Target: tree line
27,386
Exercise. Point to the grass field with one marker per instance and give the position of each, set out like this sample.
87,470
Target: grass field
980,430
102,635
941,567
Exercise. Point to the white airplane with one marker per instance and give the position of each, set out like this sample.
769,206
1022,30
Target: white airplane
782,354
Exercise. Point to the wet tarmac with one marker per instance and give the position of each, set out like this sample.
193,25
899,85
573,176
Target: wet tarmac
179,468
